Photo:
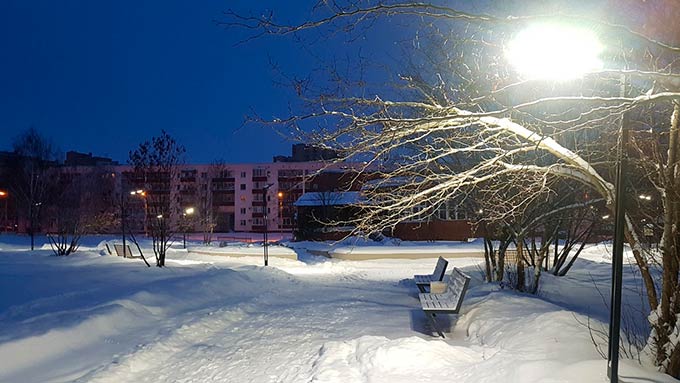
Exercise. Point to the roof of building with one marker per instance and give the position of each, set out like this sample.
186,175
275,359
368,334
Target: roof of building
329,199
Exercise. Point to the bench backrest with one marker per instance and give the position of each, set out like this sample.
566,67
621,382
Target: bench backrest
457,286
440,269
119,250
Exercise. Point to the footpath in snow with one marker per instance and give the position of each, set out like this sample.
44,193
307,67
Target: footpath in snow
94,318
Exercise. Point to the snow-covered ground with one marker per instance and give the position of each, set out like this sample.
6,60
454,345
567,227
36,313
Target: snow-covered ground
95,318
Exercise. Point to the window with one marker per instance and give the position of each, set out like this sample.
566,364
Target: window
258,197
225,174
223,186
441,212
243,174
417,213
243,186
243,210
286,222
243,222
257,209
290,173
258,221
259,172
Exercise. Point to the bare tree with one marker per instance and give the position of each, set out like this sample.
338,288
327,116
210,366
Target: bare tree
156,164
216,179
324,212
79,203
35,155
448,133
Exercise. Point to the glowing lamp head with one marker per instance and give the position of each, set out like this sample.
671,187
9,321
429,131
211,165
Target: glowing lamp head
555,52
189,211
3,193
280,194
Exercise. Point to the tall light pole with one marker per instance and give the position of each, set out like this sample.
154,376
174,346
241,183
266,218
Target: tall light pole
141,193
280,216
561,52
187,212
617,255
265,238
5,195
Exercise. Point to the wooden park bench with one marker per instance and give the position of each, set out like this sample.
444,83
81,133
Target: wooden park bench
119,251
449,301
424,280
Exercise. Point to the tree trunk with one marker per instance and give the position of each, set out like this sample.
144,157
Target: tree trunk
488,255
667,354
521,276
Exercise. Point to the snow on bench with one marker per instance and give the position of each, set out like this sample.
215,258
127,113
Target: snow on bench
120,253
448,302
437,275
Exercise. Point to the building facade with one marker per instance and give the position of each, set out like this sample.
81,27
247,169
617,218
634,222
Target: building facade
239,197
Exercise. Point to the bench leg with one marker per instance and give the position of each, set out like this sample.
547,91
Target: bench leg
434,324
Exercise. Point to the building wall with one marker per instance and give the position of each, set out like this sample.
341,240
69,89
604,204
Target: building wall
237,192
457,230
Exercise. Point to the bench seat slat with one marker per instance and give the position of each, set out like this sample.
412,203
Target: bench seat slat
437,275
449,301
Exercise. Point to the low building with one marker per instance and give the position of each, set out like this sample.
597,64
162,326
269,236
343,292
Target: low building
329,216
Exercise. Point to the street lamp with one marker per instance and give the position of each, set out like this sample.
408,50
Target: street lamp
140,193
561,52
5,195
552,51
280,218
187,211
265,238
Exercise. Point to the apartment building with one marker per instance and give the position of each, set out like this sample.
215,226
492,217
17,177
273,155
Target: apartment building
240,196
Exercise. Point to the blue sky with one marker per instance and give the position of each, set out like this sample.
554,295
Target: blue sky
102,76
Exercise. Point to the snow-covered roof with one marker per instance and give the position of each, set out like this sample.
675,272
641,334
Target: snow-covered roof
328,198
390,182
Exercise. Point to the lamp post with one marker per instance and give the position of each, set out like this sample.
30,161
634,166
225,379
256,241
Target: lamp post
265,238
617,255
561,52
280,218
187,212
141,193
4,195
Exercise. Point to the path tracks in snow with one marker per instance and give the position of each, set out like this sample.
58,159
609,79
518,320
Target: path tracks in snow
274,337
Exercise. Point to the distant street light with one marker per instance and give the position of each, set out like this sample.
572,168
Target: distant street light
5,223
265,238
564,52
187,211
141,193
280,217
